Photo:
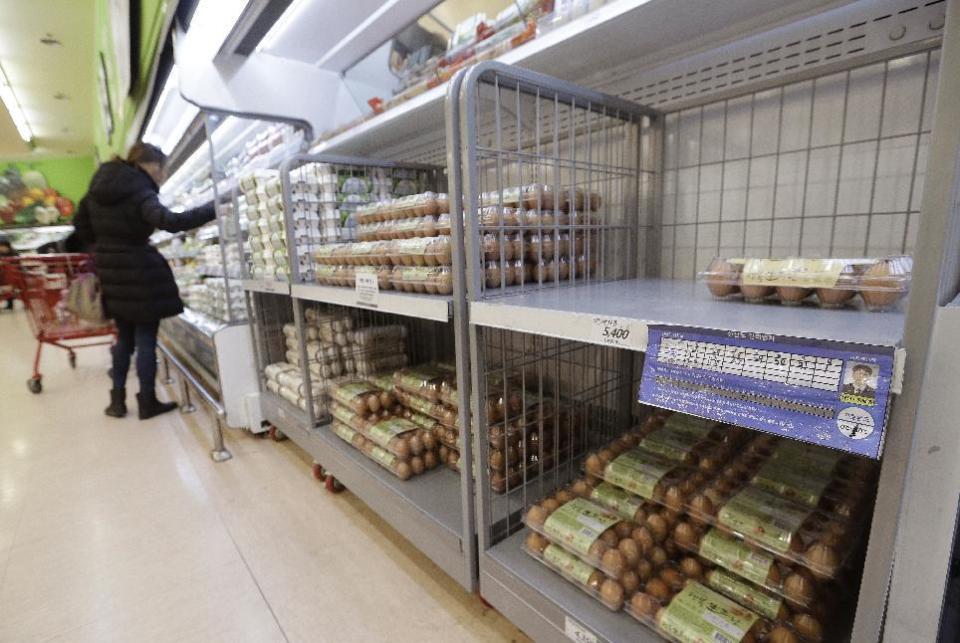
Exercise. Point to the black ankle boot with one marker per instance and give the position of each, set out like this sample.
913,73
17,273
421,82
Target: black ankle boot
149,406
118,403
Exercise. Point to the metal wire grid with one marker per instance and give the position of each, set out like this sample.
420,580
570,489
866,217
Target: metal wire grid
426,341
319,211
572,397
832,166
268,314
582,157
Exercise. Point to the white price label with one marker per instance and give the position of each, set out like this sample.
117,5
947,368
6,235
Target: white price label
272,286
577,632
367,288
616,331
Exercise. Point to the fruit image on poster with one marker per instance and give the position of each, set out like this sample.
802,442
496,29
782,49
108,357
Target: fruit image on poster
26,199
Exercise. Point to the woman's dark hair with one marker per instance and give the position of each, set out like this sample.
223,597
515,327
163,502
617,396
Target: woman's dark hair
145,153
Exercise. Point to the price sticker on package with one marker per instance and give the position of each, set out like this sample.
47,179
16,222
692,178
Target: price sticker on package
367,289
619,332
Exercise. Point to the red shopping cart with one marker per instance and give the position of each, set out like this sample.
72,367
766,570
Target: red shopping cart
42,282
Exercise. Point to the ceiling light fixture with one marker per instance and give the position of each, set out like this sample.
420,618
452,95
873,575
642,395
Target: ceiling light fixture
13,107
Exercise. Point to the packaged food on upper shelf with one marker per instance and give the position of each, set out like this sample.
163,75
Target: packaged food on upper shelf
880,282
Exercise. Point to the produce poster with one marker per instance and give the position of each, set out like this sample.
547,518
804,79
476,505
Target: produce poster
826,393
26,199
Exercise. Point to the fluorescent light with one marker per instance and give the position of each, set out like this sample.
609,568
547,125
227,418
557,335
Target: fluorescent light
212,22
281,25
13,106
171,116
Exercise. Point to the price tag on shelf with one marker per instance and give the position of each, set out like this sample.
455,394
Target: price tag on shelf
273,286
619,332
367,289
577,632
830,393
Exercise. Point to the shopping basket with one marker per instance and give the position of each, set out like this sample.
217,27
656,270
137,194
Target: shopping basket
42,282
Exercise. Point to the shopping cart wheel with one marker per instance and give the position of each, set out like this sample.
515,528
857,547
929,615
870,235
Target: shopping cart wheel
276,434
318,473
34,385
333,485
73,359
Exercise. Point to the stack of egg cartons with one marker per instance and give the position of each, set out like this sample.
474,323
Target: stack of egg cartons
286,380
263,208
225,299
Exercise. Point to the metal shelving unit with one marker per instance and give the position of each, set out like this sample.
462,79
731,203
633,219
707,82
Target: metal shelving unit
434,510
884,80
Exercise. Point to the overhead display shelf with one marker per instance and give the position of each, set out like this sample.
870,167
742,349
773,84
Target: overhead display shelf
628,29
571,313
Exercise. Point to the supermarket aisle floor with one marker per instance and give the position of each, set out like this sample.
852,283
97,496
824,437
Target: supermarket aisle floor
120,530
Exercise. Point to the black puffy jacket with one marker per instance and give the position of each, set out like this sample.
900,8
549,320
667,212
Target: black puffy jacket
116,218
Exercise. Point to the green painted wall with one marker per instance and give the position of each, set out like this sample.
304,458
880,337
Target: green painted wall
69,176
153,15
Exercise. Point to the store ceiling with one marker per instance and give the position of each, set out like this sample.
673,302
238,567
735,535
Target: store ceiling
54,83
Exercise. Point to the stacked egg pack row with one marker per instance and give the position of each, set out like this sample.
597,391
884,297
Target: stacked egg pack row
526,435
682,510
286,380
535,234
217,298
404,241
368,416
261,203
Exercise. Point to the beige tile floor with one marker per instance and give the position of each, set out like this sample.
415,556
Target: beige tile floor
121,530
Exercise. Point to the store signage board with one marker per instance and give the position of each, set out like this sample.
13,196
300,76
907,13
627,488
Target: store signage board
367,289
829,393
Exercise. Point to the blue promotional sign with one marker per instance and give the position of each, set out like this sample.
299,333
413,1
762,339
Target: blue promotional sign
828,393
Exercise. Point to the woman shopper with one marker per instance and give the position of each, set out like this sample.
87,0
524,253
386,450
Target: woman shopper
116,218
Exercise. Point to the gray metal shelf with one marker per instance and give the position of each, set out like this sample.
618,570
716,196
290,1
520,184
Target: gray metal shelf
426,510
270,286
540,602
569,313
433,307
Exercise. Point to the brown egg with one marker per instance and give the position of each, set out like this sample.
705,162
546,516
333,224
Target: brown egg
644,539
581,488
658,589
799,589
595,581
823,560
808,627
672,577
593,465
781,634
701,508
755,293
691,568
613,562
644,569
416,465
658,556
686,535
610,537
536,516
416,445
674,498
605,455
630,581
611,592
429,442
773,576
792,295
550,505
658,527
630,550
536,543
430,460
644,605
623,529
885,282
404,471
564,496
723,277
597,550
402,449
